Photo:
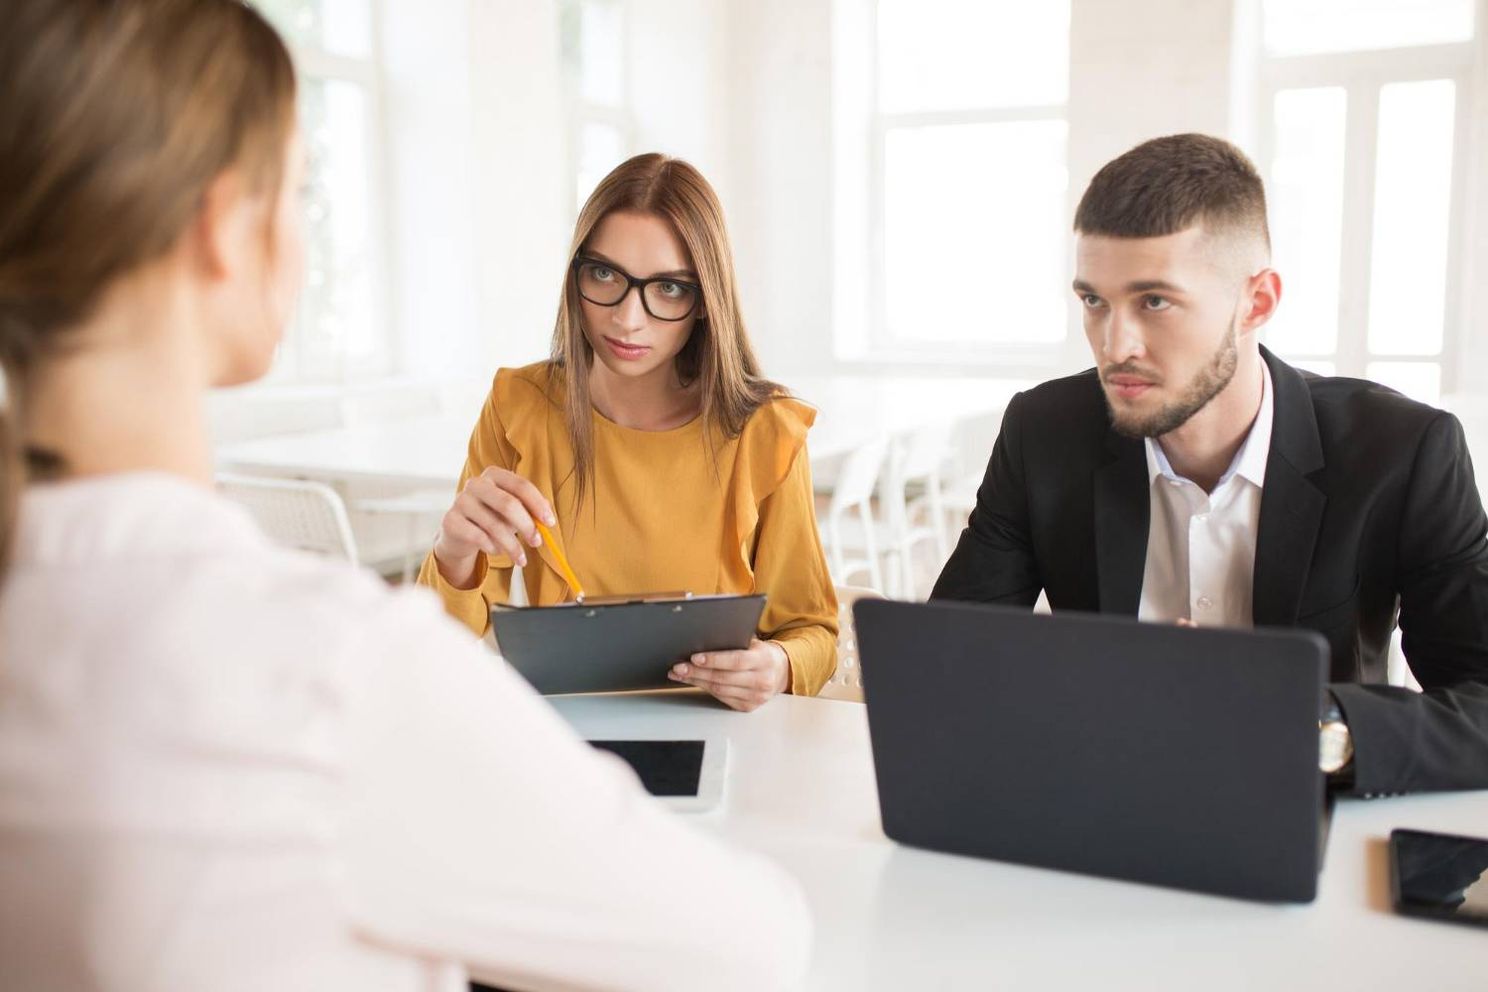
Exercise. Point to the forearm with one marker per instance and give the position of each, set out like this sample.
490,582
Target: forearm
1406,741
812,650
472,607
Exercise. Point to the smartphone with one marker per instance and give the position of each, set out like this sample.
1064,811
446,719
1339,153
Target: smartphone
1440,876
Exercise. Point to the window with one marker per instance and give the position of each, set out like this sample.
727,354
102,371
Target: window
592,36
1365,118
341,331
968,238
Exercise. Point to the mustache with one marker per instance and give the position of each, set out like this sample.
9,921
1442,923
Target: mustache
1129,368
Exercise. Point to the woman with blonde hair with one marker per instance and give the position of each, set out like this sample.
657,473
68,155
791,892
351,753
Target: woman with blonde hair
652,442
224,765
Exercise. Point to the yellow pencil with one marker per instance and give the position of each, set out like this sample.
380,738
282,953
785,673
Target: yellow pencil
563,568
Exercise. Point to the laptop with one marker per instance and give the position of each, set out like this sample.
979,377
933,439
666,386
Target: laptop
1173,756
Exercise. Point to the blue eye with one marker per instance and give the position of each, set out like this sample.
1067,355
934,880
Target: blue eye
601,273
670,289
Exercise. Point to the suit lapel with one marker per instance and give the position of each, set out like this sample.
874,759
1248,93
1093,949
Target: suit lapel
1291,505
1122,507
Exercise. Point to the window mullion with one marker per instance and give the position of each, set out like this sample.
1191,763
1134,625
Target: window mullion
1360,132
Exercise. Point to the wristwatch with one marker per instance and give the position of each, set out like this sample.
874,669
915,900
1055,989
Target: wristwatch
1335,743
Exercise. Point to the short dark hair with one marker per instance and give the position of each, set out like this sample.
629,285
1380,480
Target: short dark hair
1168,184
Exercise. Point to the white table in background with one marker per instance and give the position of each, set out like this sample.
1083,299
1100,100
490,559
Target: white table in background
425,452
429,452
801,790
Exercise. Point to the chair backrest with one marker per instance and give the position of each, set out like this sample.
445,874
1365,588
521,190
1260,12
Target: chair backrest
859,476
925,452
846,682
309,516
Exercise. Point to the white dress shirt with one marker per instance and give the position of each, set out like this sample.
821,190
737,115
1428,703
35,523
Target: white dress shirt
228,766
1201,546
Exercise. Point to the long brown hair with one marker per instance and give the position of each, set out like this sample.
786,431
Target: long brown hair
115,116
717,356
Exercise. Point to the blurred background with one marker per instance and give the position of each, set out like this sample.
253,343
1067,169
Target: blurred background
899,177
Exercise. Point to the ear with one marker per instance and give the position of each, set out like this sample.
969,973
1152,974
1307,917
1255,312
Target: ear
1262,297
219,235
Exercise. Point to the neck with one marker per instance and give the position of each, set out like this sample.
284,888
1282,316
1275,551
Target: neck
1203,448
125,394
655,401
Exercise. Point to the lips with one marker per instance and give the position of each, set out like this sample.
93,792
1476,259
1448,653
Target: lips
626,352
1128,387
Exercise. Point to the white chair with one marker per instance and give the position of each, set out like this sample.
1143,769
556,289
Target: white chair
917,461
420,512
846,682
309,516
853,494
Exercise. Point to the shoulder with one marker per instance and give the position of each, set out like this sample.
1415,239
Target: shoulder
1070,412
782,421
1072,399
535,386
1355,413
772,443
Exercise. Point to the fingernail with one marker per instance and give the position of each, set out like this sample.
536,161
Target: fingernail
535,540
522,560
680,669
698,659
549,519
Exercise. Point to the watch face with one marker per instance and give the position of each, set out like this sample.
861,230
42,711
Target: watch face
1335,746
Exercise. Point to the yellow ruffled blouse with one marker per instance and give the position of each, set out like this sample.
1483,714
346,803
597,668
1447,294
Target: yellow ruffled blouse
662,515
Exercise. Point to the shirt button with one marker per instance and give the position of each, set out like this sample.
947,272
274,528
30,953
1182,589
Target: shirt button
1204,602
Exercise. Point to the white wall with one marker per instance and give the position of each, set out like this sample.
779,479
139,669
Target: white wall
795,187
1141,69
678,85
521,202
430,182
779,58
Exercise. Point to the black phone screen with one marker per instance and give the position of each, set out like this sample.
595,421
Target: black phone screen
666,768
1440,876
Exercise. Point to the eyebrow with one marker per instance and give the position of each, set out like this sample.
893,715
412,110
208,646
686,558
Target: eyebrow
1140,286
669,274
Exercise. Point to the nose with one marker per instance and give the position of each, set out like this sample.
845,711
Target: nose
1122,339
630,313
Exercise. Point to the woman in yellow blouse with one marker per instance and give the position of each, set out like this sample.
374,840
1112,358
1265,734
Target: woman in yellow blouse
652,446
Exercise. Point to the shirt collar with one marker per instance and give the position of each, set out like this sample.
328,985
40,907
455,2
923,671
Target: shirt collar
1249,462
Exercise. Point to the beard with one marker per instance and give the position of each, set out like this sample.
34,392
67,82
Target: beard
1206,384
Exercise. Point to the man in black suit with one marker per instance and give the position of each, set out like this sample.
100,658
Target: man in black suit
1194,477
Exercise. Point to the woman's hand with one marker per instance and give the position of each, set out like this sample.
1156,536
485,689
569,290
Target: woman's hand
745,680
494,513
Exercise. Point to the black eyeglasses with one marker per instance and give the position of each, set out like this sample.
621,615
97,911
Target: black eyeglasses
606,285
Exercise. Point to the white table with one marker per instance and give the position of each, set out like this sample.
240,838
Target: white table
429,452
425,452
894,918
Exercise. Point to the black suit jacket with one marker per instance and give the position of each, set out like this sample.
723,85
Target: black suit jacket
1369,512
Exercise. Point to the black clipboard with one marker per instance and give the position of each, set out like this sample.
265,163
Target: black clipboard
619,644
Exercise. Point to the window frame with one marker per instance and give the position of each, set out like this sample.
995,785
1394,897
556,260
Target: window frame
582,112
1362,75
294,365
881,342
